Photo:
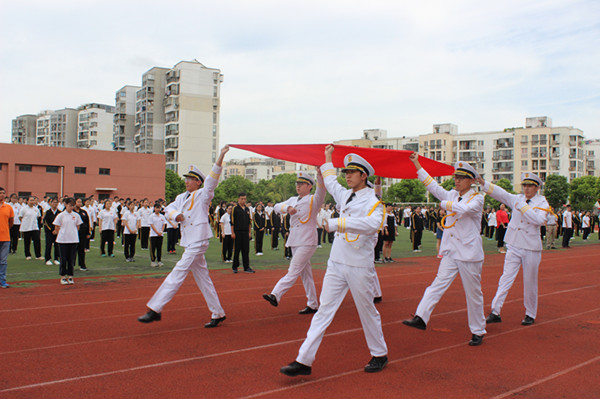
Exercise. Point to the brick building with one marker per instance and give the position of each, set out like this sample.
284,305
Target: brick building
55,171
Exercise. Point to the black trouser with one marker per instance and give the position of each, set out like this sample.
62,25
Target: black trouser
51,242
319,234
258,240
81,247
406,222
379,246
500,235
416,239
586,232
67,258
227,247
171,239
156,248
241,244
14,237
107,236
331,237
92,234
567,232
491,232
144,234
129,245
37,245
275,238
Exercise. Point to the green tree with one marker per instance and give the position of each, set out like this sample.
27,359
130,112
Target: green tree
229,189
584,192
407,190
556,190
174,185
492,203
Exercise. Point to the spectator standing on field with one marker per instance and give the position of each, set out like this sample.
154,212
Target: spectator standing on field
131,224
15,232
48,223
7,216
30,229
501,224
84,233
225,229
66,229
108,220
157,227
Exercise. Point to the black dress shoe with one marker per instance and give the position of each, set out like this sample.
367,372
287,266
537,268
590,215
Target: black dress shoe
214,322
493,318
527,321
294,368
308,310
271,299
249,270
377,299
415,322
149,317
376,364
234,271
476,340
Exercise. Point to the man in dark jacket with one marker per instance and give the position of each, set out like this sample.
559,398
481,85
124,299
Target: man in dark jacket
240,222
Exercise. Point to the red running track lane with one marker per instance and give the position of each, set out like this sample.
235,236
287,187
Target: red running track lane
83,341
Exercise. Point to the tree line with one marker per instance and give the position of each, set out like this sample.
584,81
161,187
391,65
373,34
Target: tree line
581,193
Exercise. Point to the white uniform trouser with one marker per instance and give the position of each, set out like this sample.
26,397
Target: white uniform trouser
338,279
192,259
470,274
299,267
515,257
376,286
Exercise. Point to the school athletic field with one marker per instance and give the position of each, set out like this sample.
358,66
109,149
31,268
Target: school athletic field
83,341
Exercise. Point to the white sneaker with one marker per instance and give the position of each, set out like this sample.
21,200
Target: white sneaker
160,264
153,264
318,246
63,281
56,262
49,263
28,258
259,254
40,258
70,280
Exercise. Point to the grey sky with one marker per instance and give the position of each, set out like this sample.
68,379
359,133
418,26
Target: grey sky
317,71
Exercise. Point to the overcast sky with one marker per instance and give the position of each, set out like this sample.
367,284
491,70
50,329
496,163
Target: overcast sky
317,71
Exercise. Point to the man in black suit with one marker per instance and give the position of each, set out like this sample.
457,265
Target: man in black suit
240,223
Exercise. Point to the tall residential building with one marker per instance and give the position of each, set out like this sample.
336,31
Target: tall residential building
124,119
149,112
57,128
192,111
592,157
24,129
95,128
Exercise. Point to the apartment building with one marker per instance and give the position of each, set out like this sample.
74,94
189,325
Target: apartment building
57,128
24,129
95,127
124,119
538,147
149,112
256,169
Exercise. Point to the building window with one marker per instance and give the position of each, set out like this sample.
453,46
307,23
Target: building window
25,168
24,194
102,197
51,169
52,195
104,171
79,195
524,164
80,170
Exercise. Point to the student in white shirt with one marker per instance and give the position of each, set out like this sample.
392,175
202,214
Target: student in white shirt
157,227
30,229
67,236
14,230
225,229
585,225
108,220
131,224
144,213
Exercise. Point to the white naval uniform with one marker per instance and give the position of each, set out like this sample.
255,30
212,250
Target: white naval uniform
462,252
350,266
303,242
195,233
523,246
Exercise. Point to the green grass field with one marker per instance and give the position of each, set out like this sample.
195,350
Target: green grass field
21,270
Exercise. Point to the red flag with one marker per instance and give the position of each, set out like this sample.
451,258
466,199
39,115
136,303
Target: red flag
387,163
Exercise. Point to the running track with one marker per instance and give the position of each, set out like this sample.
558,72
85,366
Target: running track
83,341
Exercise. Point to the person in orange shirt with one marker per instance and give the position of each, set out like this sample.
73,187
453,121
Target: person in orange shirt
7,217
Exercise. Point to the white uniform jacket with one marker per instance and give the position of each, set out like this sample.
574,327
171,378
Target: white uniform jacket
461,240
195,226
524,227
303,224
359,220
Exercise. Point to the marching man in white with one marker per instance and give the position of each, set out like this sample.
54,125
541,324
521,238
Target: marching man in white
524,243
461,248
350,264
303,211
190,209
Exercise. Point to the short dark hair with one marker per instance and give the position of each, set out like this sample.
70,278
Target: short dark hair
69,200
242,194
2,189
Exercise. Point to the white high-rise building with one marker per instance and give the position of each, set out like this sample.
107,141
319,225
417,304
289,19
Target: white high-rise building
95,128
57,128
149,112
24,129
124,119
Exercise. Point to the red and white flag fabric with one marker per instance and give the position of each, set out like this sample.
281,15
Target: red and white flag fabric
387,163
